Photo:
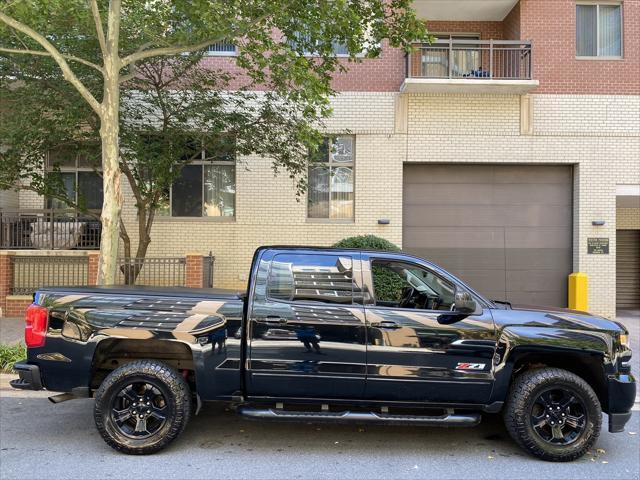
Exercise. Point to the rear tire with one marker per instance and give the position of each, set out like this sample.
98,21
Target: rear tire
142,406
553,414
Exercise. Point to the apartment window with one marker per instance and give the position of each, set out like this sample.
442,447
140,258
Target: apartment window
330,186
222,48
78,169
598,30
339,49
206,186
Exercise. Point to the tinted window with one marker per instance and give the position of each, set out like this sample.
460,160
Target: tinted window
405,285
308,277
187,192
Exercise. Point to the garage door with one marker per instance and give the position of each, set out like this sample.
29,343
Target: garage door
628,269
505,230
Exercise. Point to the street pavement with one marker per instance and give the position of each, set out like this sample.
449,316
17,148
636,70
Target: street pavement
42,440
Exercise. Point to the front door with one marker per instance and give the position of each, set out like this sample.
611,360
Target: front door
307,332
411,354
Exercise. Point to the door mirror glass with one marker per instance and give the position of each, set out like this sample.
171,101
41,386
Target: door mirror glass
464,303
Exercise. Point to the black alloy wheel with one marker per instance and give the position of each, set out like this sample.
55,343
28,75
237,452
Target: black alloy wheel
558,416
139,410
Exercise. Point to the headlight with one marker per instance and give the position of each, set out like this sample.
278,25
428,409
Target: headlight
624,340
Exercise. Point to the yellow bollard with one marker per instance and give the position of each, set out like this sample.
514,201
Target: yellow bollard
579,291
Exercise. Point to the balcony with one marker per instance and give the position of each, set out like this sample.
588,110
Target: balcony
48,229
470,66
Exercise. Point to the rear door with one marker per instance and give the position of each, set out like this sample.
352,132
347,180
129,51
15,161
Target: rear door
307,334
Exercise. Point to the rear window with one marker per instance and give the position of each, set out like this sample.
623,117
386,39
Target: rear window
309,277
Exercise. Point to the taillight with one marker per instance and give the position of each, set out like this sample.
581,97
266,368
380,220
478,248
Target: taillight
35,329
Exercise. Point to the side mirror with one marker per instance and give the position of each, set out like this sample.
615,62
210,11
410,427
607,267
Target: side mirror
463,306
464,303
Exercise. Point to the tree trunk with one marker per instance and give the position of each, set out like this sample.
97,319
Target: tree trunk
112,204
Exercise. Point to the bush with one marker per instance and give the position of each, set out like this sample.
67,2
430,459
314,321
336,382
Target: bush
10,354
387,284
367,242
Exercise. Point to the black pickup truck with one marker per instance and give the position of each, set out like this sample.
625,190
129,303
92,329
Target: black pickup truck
330,335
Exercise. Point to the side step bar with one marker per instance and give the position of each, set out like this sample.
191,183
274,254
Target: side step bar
449,419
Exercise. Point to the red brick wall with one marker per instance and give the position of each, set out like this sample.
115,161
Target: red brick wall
487,30
15,307
551,24
193,271
511,24
6,277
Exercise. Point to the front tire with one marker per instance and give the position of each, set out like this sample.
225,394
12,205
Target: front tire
142,406
553,414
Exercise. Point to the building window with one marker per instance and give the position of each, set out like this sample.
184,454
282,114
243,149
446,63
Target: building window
339,49
331,177
206,187
598,30
78,168
222,48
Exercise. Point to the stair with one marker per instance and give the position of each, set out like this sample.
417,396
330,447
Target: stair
448,419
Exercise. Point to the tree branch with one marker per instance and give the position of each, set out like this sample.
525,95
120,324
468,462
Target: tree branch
47,54
99,30
58,57
166,51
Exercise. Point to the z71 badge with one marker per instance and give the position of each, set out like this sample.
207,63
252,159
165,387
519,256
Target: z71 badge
470,366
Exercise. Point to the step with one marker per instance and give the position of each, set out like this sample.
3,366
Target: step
448,419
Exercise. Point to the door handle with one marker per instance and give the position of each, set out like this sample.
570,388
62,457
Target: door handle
386,324
272,320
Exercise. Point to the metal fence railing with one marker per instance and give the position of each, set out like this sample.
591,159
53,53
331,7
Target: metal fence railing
207,270
471,59
33,272
48,229
154,271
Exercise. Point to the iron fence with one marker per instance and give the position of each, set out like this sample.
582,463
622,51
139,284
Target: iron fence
36,271
207,270
153,271
472,59
49,229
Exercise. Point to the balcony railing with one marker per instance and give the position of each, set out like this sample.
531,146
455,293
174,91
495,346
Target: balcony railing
464,59
48,229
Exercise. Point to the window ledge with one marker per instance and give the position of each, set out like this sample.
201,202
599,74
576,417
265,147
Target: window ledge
346,221
608,59
161,219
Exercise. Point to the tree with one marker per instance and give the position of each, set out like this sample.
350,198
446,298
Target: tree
98,46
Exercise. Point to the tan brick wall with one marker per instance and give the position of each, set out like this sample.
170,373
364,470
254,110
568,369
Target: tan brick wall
9,199
628,219
598,135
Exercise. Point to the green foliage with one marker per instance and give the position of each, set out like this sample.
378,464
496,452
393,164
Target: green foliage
10,354
387,284
367,242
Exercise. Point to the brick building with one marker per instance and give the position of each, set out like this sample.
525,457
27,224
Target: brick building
503,152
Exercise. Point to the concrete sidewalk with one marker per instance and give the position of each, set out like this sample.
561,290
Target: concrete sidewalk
11,330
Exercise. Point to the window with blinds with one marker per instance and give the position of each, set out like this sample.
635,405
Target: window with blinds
331,179
598,30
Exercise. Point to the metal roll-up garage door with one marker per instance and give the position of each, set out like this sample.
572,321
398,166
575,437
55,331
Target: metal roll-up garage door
628,269
504,229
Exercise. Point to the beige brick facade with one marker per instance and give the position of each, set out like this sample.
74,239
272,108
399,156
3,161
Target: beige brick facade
599,135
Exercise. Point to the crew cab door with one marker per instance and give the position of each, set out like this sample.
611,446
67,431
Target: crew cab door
306,326
411,354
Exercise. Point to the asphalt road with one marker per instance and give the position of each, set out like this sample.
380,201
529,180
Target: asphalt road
42,440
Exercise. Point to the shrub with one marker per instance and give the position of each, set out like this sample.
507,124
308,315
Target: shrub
10,354
367,242
387,284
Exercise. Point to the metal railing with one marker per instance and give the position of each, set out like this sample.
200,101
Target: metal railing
36,271
471,59
207,270
153,271
48,229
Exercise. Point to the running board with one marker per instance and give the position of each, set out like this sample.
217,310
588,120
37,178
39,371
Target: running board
449,419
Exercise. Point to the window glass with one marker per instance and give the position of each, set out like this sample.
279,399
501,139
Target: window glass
187,192
405,285
219,190
610,30
598,30
61,157
90,190
222,48
331,179
308,277
69,184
